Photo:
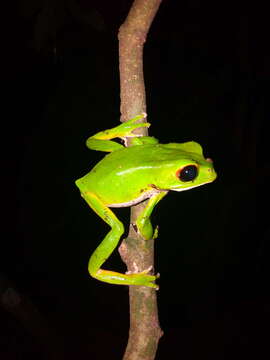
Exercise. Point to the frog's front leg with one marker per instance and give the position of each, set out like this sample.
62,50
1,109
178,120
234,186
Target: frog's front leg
106,247
143,222
102,140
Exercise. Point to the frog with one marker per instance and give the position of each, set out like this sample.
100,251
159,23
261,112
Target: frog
144,171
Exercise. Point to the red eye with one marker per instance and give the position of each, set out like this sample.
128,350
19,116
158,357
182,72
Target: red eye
188,173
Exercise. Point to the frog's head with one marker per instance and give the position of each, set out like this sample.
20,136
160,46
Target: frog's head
188,169
193,173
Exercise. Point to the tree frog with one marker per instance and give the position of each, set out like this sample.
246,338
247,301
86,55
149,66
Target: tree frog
129,175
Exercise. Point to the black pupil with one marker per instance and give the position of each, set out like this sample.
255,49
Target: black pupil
188,173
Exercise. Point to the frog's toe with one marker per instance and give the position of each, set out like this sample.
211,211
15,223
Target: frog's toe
146,271
147,279
143,115
143,278
155,235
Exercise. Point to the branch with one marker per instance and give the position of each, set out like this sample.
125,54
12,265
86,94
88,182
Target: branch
145,331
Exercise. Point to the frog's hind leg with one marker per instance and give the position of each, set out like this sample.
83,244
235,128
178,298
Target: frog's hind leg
107,246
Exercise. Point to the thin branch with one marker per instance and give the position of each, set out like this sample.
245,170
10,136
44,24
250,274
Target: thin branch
144,331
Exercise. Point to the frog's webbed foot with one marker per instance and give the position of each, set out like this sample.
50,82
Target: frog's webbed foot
101,141
125,130
144,277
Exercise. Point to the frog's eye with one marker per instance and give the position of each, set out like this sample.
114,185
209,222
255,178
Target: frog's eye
188,173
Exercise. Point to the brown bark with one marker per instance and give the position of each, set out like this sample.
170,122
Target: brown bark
145,331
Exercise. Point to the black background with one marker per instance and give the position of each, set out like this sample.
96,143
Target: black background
206,74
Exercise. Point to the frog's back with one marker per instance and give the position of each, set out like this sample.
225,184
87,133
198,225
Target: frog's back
134,159
125,174
132,174
121,162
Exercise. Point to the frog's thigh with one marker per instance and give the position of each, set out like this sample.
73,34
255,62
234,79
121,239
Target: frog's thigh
111,240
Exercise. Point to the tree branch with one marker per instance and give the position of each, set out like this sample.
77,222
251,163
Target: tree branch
144,331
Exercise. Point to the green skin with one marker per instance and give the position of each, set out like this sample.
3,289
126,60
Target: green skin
129,175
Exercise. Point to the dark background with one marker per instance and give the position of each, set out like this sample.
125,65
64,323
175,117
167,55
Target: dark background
206,74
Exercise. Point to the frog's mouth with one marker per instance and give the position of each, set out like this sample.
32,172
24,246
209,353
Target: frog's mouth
180,188
189,187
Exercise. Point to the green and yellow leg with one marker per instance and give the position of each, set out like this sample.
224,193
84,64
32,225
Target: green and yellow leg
143,222
107,246
101,140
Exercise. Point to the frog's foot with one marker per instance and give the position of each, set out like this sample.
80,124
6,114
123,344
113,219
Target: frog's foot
138,278
125,129
143,278
143,115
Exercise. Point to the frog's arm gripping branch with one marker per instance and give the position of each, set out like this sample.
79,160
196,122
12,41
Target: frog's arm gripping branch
102,140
